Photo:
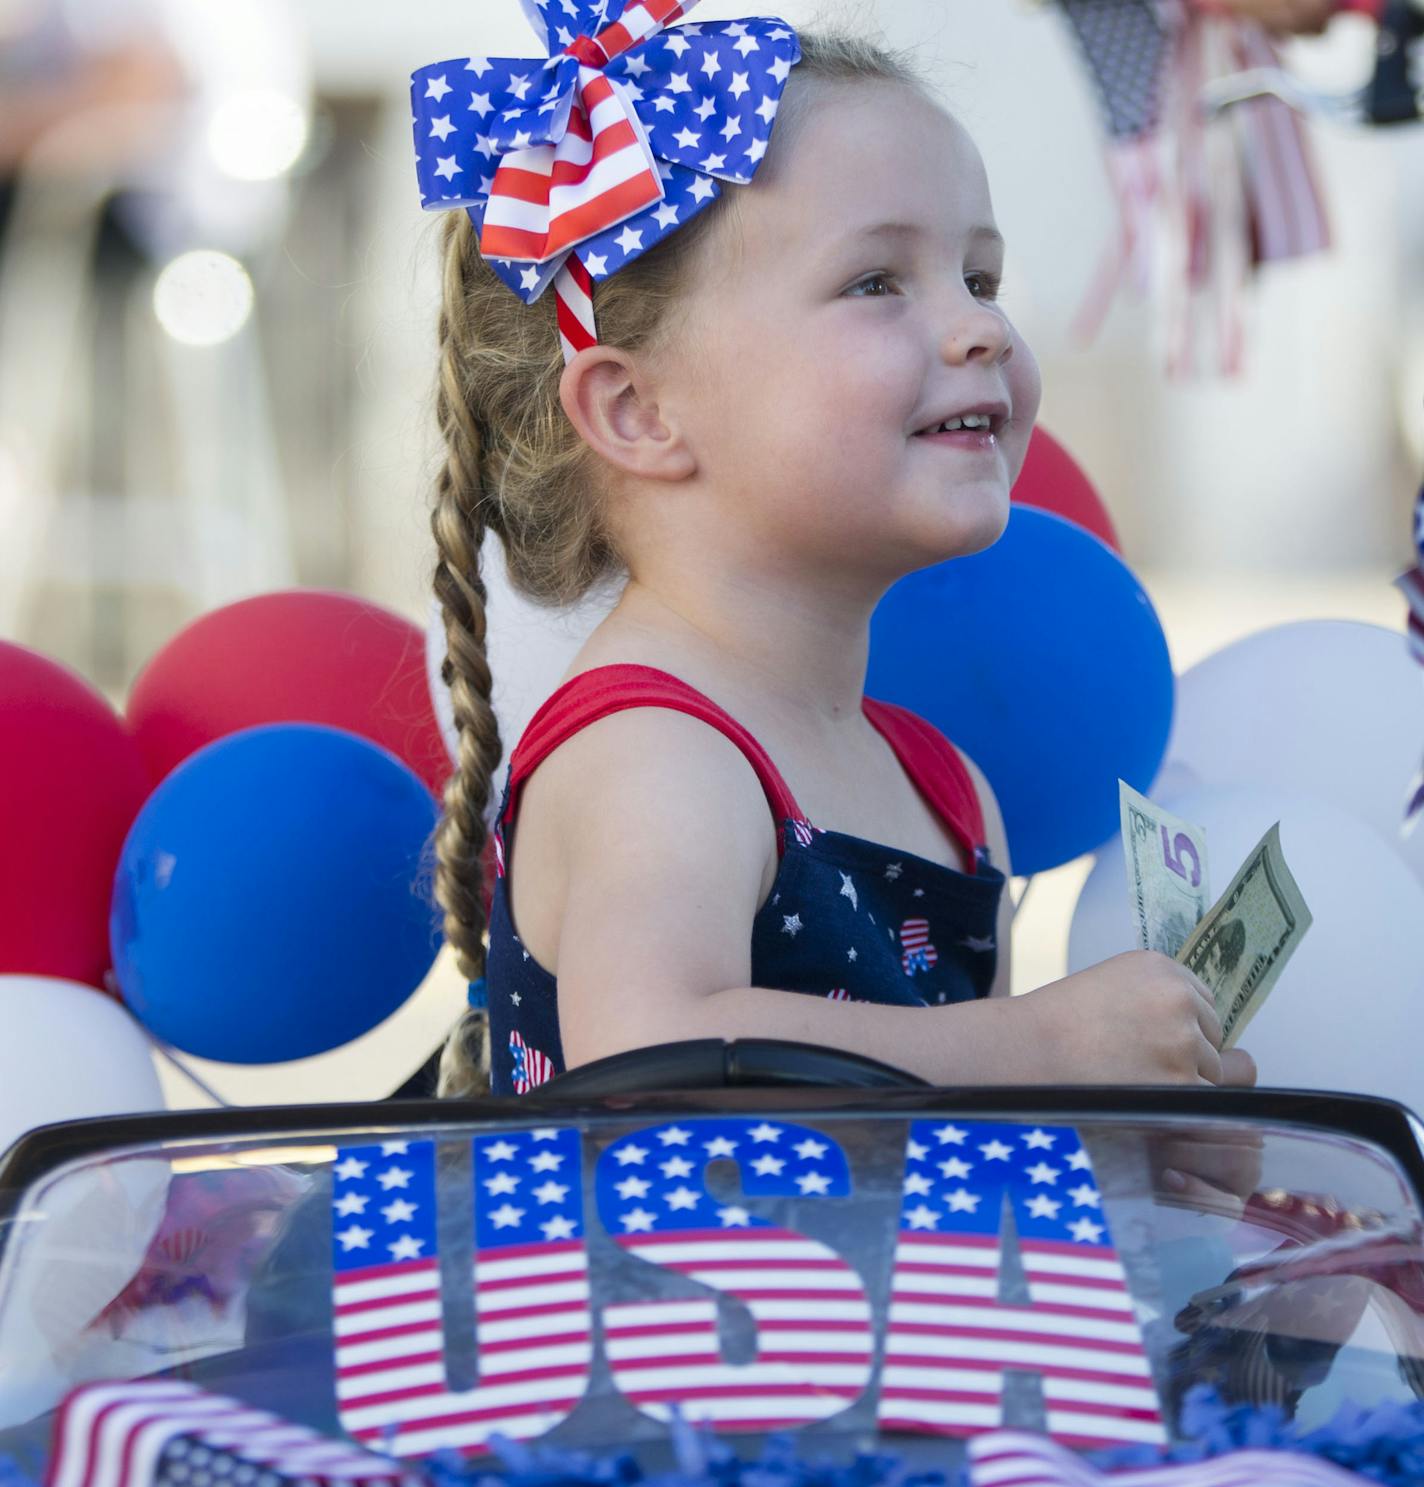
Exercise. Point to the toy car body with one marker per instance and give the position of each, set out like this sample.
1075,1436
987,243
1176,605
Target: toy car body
903,1269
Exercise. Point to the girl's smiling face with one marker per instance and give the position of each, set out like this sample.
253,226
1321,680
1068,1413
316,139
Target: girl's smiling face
853,303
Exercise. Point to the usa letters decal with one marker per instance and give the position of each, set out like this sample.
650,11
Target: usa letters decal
1002,1260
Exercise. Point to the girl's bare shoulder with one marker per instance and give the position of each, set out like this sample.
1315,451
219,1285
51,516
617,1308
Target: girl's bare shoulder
645,801
653,770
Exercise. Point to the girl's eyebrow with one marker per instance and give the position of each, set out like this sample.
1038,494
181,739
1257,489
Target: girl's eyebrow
914,230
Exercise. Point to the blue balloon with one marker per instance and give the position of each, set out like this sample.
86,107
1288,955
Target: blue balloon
273,898
1043,658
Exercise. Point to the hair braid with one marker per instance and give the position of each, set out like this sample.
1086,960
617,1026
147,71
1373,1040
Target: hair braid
458,522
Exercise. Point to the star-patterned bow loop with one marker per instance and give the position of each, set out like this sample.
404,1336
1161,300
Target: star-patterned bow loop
628,125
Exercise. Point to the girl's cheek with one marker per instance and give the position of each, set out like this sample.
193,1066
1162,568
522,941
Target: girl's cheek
1025,382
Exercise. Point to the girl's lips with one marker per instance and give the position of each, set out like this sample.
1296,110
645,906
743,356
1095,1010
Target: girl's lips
972,440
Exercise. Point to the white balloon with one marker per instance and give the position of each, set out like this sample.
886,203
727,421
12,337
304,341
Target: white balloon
529,647
1103,924
68,1052
1326,708
1345,1013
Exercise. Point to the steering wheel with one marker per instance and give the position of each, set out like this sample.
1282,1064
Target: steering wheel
712,1063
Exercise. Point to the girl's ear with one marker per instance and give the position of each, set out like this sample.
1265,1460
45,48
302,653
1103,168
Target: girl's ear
613,404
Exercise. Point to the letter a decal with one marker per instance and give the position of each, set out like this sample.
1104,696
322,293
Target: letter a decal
950,1339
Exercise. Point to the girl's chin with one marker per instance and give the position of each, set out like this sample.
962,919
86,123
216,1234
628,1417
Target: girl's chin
960,541
980,523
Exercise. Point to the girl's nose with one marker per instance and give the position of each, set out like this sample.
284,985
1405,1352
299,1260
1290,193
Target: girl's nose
979,334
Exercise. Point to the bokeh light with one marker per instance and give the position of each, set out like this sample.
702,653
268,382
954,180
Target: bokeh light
257,134
203,297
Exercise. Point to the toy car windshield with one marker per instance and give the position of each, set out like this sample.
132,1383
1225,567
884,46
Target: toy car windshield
1109,1273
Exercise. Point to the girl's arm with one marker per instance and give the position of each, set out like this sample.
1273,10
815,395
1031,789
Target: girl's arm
664,865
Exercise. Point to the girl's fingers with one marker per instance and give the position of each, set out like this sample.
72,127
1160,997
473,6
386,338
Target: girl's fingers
1226,1160
1187,1189
1205,1009
1238,1067
1208,1060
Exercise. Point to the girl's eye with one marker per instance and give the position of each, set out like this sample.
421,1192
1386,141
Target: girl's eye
879,278
990,284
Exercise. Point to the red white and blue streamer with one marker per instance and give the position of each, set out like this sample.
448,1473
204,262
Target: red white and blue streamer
574,166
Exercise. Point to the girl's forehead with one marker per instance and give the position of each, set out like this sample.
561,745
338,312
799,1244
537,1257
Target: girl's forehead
863,157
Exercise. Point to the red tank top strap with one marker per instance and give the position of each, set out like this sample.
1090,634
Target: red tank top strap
935,766
596,693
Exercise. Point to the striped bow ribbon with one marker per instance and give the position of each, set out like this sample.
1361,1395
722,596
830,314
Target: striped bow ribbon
572,167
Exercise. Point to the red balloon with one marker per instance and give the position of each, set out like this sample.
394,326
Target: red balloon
72,780
1053,480
298,656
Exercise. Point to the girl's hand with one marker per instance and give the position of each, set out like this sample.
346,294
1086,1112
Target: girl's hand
1212,1168
1138,1018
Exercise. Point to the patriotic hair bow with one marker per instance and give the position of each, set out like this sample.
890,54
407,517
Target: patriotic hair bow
572,167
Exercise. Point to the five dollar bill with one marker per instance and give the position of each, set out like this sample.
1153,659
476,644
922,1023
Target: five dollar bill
1240,945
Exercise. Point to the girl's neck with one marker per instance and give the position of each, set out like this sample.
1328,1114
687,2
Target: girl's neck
803,656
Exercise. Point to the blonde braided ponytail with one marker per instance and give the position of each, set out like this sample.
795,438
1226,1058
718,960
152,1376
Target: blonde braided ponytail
458,522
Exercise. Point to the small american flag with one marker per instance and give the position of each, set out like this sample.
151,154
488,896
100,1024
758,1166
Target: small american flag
531,1293
803,831
949,1338
814,1337
531,1067
919,954
1282,192
1007,1458
1254,198
164,1433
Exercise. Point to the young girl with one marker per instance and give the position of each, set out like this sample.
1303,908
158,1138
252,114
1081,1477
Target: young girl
708,814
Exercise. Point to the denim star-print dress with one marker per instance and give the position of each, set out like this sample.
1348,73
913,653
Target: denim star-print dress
848,919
